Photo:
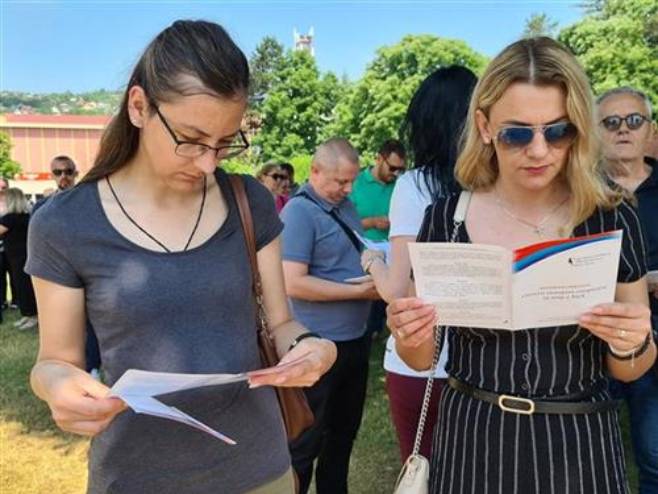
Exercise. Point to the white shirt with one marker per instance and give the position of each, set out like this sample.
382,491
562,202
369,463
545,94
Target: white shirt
408,203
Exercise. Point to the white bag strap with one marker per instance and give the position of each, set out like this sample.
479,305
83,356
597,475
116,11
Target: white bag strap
462,206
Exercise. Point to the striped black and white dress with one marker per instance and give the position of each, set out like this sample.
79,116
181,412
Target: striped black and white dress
478,448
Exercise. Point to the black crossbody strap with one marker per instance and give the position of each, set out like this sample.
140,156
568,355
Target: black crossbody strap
348,231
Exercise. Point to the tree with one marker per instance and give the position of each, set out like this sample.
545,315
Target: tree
616,43
265,61
539,25
298,106
8,167
374,107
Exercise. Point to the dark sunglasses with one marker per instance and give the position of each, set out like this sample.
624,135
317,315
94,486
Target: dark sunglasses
277,176
558,134
395,170
633,121
69,172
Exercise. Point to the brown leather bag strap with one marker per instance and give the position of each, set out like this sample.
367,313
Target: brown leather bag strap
242,202
240,194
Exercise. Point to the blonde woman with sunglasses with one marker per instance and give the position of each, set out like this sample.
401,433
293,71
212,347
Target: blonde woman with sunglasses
530,161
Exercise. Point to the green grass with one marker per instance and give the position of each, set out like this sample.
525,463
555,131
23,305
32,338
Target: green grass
36,458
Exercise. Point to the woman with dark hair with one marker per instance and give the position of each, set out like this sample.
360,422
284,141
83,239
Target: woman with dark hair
431,130
150,247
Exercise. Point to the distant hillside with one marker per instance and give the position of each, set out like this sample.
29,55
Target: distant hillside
93,103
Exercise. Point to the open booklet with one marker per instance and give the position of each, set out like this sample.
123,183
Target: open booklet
382,245
139,389
545,284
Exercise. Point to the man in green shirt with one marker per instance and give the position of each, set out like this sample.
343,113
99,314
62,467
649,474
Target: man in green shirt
372,190
371,195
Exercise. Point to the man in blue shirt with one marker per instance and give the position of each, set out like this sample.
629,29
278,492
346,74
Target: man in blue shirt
625,126
320,251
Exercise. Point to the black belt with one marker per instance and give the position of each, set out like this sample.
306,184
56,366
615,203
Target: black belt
527,406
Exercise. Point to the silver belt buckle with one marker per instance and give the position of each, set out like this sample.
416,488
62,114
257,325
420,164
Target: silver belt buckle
516,399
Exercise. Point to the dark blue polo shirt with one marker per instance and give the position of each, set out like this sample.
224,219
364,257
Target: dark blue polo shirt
647,198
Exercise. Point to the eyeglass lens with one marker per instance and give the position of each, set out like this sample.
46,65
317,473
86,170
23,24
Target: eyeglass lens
63,171
556,134
633,121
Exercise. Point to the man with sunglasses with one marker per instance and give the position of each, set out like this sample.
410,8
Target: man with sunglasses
627,131
373,188
64,172
371,196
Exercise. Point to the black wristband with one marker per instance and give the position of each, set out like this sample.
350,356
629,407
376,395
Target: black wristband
301,337
637,353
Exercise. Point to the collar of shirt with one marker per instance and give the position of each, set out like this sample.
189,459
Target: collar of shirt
324,204
652,180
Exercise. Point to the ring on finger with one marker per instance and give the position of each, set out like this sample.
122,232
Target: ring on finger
621,333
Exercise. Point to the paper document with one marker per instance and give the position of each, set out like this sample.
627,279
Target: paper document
138,389
384,246
358,279
545,284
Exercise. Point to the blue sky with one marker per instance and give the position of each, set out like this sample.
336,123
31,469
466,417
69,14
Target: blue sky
81,45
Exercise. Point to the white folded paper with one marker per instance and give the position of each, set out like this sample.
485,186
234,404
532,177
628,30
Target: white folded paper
138,389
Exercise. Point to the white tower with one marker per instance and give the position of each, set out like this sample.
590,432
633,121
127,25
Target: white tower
304,41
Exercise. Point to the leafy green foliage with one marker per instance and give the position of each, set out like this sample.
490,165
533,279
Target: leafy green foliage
374,107
616,43
99,102
264,63
8,167
298,106
539,25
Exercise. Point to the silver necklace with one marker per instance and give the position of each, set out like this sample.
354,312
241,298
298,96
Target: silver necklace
538,229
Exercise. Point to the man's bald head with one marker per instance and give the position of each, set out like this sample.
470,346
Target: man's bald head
334,151
334,168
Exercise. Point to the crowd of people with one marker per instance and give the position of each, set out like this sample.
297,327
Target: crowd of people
144,264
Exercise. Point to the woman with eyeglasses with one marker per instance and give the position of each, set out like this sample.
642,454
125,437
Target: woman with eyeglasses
276,180
530,161
150,247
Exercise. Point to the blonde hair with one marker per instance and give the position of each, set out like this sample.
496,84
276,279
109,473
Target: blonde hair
539,61
16,201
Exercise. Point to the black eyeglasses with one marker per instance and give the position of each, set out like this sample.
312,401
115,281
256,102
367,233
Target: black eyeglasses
395,170
188,149
58,172
633,121
277,176
559,134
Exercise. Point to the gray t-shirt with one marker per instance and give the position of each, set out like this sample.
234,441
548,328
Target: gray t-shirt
187,311
313,237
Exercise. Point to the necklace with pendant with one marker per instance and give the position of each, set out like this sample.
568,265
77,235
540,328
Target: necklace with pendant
141,229
539,228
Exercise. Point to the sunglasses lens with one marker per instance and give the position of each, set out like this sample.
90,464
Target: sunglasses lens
612,123
559,133
516,136
634,121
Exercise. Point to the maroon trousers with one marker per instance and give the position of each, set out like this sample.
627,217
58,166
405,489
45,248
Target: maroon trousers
405,397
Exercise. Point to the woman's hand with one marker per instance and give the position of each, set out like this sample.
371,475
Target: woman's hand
302,366
622,325
78,403
411,321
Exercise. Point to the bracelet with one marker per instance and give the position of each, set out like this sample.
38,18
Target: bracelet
632,353
369,263
301,337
